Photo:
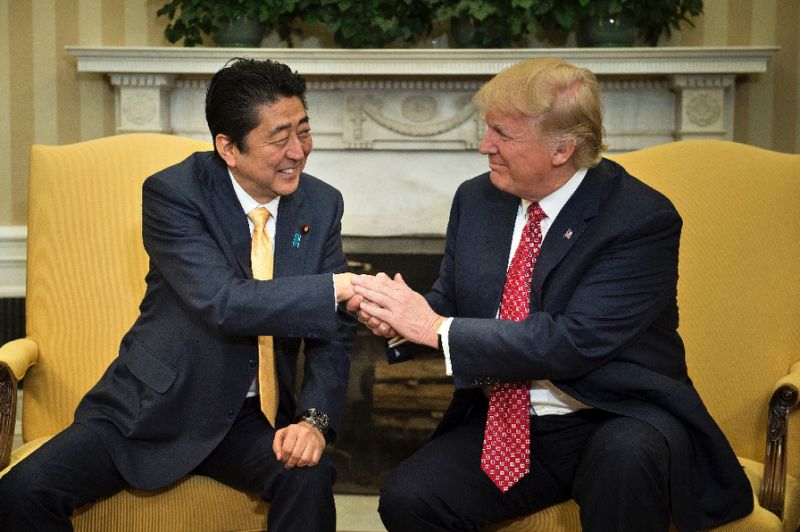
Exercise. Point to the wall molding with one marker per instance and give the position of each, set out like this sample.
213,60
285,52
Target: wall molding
13,254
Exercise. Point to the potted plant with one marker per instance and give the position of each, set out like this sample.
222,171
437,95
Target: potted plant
368,23
488,23
595,21
227,22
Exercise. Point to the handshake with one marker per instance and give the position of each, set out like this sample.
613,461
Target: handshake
389,307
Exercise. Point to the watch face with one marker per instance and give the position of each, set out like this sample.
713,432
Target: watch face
318,418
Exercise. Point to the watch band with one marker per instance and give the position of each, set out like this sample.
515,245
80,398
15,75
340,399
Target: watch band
317,419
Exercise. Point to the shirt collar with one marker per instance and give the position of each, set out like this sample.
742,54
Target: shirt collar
555,201
247,201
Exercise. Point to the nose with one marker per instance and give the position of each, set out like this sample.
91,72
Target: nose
487,145
294,150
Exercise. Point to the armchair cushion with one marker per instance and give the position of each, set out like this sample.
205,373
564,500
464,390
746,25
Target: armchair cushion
85,275
737,287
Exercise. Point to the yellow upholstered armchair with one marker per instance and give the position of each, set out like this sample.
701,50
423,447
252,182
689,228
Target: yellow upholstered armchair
739,298
85,279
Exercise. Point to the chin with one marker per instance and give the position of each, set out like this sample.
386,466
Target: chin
498,181
289,188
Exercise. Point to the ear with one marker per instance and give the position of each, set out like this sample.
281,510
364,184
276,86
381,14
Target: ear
226,149
562,152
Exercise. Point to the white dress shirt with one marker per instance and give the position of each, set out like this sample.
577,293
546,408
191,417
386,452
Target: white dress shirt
546,398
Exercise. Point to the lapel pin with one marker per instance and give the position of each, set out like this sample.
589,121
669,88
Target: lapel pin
568,234
305,228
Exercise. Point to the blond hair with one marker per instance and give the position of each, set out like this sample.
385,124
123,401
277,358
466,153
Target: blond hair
562,99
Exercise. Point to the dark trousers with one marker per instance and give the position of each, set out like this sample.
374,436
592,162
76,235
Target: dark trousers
616,468
74,469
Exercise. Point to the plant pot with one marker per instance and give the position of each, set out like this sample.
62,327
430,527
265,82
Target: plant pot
241,32
612,31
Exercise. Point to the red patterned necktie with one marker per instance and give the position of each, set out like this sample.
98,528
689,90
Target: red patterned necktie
506,440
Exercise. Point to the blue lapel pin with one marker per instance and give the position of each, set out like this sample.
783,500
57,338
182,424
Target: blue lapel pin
305,228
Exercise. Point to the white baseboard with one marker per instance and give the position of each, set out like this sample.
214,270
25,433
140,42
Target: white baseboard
13,253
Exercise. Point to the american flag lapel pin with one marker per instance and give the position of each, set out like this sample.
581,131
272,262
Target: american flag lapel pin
568,234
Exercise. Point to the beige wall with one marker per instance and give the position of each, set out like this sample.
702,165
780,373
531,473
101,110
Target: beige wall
44,100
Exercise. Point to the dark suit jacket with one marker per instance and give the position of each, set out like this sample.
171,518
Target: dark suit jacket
187,362
603,323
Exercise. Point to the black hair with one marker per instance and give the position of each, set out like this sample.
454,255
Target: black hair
239,89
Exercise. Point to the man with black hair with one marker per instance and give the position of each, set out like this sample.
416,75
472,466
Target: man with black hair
189,391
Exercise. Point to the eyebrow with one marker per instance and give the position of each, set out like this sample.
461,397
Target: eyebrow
284,127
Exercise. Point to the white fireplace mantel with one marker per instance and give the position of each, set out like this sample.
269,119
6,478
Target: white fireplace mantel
396,126
427,62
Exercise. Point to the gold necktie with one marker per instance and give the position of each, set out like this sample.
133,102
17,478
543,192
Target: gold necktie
261,259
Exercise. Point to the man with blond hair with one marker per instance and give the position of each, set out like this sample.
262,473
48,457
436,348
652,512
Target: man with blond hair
556,313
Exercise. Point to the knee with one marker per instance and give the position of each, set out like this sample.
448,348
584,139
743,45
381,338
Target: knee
402,500
20,489
623,477
625,444
318,477
624,454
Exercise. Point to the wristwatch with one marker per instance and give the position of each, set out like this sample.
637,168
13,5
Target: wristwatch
317,419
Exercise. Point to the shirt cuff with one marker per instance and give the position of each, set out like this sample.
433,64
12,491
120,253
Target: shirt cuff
444,331
333,283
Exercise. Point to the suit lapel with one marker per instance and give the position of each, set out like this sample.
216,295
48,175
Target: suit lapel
495,241
567,229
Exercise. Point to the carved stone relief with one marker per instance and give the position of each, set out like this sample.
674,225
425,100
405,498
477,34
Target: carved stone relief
401,121
704,108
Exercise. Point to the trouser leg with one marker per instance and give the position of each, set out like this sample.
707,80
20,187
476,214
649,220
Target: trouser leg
442,486
301,499
622,483
70,470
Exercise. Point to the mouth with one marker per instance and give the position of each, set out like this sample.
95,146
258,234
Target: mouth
287,172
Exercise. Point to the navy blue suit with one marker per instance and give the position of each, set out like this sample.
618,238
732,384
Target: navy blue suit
173,401
603,324
186,364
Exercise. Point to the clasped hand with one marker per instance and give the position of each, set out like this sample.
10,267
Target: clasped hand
389,307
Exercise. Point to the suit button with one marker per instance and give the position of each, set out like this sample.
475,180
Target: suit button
252,364
230,415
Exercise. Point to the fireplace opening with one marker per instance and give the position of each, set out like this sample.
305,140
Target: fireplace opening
391,409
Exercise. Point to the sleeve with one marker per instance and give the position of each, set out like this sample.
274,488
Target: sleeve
326,367
200,267
627,285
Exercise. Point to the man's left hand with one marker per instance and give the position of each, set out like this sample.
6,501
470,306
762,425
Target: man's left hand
393,302
298,445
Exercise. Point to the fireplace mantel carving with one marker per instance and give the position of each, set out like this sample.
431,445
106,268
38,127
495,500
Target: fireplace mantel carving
396,126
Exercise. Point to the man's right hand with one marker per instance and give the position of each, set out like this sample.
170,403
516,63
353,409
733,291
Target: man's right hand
343,286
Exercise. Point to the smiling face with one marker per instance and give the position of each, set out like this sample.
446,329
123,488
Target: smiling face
274,153
522,161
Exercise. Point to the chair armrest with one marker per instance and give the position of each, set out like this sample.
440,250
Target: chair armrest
15,359
785,398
